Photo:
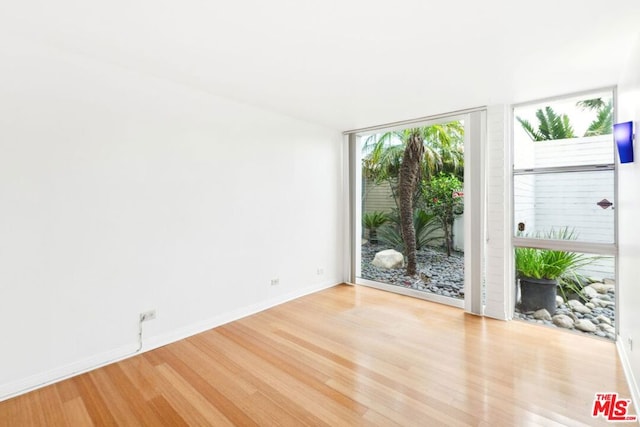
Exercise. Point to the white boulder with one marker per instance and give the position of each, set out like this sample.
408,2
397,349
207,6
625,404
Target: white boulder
388,259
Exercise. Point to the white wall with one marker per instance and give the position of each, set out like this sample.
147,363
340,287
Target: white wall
111,190
629,231
499,272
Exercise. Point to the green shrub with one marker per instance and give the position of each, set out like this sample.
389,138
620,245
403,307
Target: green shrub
443,197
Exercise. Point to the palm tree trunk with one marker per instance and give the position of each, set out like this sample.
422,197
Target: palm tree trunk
408,181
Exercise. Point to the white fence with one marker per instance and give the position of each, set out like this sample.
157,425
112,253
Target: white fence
547,201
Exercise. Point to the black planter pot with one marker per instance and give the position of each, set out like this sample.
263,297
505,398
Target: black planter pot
373,236
538,293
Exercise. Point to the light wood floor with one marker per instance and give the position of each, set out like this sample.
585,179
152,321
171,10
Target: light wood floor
345,356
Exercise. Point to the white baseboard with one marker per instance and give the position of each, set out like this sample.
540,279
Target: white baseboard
628,373
52,376
213,322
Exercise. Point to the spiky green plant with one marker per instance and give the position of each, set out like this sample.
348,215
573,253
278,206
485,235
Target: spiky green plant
426,225
372,221
573,284
550,264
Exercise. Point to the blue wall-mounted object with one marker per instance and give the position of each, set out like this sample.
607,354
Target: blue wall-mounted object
623,135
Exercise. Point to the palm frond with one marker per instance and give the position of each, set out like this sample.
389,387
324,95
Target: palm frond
528,128
550,126
603,123
591,104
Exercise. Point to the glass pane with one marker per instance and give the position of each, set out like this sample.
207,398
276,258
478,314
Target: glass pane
440,260
582,300
556,201
569,132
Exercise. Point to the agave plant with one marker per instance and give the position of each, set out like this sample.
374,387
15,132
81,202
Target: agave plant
372,221
427,226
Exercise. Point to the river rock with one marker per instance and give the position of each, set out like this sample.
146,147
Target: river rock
542,314
602,288
590,292
578,307
602,303
563,321
585,325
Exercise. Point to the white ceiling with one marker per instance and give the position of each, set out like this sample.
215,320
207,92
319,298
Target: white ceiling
350,63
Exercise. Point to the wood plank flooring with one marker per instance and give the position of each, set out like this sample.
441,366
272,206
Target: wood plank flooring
345,356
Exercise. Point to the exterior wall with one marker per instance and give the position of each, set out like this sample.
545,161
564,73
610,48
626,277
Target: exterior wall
377,197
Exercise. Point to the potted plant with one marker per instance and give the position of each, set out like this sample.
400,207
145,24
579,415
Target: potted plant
538,271
371,221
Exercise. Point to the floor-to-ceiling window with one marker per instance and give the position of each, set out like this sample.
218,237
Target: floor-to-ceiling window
446,209
564,197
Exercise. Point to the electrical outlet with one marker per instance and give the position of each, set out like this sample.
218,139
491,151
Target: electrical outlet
147,315
275,281
320,271
630,344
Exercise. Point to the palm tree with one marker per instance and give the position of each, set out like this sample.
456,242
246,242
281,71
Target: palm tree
603,123
443,152
551,126
409,178
401,158
591,104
